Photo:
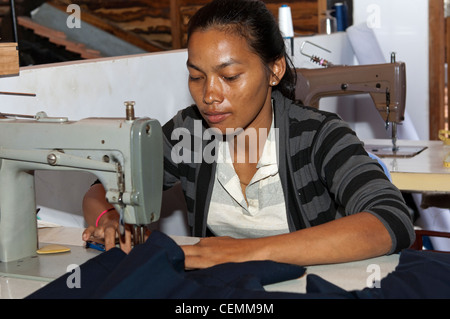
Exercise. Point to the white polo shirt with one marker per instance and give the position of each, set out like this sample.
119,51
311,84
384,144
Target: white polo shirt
264,212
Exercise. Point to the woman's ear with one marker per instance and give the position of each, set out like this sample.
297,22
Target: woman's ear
278,70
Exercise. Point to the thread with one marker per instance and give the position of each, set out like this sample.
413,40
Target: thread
341,13
285,21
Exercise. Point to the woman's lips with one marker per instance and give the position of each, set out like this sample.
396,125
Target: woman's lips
215,118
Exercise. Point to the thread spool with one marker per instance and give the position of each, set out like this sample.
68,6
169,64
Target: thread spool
285,21
341,13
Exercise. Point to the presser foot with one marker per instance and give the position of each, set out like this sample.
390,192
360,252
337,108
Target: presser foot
139,233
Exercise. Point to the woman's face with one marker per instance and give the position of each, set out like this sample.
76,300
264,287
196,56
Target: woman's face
230,84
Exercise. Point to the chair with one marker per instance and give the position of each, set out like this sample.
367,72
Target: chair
418,243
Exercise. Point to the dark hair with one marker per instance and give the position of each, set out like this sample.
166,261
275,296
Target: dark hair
252,20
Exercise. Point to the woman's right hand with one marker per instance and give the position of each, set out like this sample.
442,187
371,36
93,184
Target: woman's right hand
108,233
106,229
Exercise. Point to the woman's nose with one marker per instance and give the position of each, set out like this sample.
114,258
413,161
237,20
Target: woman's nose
212,92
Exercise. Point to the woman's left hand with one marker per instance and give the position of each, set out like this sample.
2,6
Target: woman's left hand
212,251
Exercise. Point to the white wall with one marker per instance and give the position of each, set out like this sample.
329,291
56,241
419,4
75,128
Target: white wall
157,82
97,88
400,26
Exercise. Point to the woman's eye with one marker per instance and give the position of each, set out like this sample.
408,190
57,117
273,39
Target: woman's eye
231,78
194,78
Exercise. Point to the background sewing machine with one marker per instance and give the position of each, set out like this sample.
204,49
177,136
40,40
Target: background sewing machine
124,153
385,82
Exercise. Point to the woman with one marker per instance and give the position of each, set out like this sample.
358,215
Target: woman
311,196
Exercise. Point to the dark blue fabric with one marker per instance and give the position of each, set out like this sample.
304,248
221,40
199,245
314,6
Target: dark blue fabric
419,275
318,286
93,273
155,270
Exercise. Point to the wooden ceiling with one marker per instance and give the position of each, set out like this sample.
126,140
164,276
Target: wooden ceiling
151,25
144,23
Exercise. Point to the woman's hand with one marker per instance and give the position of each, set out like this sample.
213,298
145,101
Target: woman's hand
107,232
212,251
354,237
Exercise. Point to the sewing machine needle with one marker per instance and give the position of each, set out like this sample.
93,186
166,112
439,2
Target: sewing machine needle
394,137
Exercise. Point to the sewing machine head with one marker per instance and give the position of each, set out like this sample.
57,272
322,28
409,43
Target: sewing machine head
124,153
386,84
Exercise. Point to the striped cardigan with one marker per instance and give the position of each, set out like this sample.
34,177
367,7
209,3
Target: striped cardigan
324,170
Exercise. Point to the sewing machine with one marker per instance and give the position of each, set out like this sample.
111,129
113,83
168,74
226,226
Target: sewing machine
386,84
124,153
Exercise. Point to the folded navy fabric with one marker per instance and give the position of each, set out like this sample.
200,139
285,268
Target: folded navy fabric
93,273
155,270
419,275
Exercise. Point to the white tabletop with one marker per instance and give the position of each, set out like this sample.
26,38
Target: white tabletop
424,172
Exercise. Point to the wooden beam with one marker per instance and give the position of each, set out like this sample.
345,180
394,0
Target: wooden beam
175,24
436,68
9,59
58,38
447,59
321,9
114,29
